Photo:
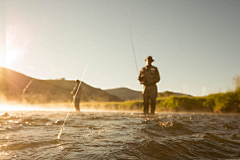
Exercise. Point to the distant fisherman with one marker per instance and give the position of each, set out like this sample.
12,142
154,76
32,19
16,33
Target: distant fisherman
149,76
78,95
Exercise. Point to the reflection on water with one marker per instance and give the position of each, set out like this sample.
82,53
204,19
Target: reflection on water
118,135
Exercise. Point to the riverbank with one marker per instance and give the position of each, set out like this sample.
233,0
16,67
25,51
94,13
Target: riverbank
228,102
215,103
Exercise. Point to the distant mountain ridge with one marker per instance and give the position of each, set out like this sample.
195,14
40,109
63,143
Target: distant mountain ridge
13,83
128,94
125,93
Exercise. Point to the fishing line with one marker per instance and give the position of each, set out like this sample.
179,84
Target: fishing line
123,19
132,41
60,132
128,14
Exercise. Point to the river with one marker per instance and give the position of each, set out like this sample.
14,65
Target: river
118,135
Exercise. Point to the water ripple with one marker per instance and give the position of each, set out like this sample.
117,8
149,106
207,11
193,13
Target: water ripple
113,135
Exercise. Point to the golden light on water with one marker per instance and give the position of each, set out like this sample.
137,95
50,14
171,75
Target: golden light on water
52,107
18,107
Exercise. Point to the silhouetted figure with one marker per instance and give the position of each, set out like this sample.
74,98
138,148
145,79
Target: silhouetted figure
77,97
149,76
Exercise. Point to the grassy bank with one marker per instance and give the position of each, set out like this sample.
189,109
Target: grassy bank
216,103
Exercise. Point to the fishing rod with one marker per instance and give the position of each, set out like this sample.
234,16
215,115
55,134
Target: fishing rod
134,54
60,132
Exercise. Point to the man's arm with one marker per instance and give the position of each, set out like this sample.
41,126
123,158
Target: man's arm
157,76
141,77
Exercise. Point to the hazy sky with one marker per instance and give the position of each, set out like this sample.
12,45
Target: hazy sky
195,43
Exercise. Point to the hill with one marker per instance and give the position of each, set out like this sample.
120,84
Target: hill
128,94
13,86
125,93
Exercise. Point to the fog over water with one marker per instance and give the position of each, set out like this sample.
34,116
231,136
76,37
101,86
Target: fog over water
118,135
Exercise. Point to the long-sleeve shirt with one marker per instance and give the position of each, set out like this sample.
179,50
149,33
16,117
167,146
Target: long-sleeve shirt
149,76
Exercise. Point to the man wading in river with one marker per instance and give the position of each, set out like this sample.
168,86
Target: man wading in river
149,76
78,95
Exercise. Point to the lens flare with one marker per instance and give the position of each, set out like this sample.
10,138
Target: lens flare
204,91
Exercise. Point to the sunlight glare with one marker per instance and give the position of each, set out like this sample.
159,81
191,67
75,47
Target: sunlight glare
16,44
204,91
185,88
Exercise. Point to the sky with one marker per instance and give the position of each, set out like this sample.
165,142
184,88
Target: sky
195,44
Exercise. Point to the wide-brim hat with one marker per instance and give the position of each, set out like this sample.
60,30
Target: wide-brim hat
149,58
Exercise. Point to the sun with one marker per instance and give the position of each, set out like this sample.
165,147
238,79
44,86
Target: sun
11,53
16,44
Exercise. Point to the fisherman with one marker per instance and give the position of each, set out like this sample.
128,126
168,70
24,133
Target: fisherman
77,97
149,76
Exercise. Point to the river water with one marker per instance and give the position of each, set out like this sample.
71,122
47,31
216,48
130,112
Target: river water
118,135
